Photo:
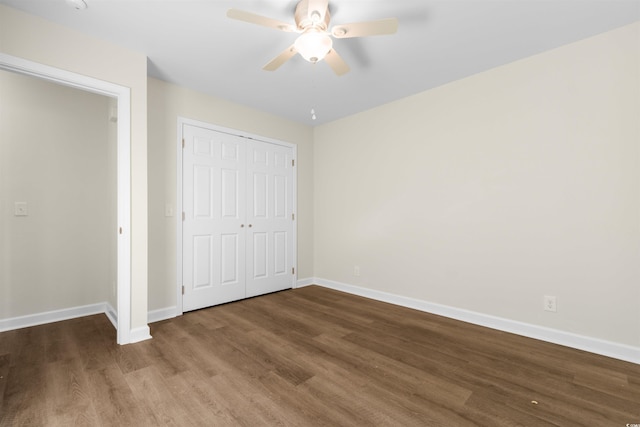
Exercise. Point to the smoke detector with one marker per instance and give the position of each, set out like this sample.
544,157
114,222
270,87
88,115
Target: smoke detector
77,4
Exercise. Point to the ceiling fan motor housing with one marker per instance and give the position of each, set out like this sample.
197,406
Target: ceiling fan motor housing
306,18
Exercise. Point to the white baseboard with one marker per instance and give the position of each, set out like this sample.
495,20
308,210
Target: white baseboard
161,314
305,282
593,345
51,316
568,339
112,314
139,334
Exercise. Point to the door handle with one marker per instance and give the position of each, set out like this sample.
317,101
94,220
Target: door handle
241,225
250,225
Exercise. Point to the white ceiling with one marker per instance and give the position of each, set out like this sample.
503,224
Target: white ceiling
194,44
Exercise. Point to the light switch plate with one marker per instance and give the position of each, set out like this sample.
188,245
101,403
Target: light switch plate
20,209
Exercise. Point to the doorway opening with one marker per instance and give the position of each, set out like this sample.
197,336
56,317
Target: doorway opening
122,97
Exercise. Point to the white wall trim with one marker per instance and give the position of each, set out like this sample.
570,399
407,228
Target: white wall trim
162,314
179,210
593,345
305,282
112,314
140,334
52,316
123,96
568,339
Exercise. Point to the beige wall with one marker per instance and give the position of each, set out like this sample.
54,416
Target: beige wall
37,40
166,103
492,191
54,155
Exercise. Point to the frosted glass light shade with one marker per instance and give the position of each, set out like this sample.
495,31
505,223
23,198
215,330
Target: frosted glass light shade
313,45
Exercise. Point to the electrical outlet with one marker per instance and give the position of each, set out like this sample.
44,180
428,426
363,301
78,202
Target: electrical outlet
550,303
356,270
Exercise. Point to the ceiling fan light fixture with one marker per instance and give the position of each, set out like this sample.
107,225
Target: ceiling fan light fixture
313,45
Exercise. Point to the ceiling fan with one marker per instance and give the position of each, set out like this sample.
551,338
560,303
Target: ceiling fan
314,44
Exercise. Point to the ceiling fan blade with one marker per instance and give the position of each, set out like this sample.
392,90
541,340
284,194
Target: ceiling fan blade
336,63
276,62
252,18
363,29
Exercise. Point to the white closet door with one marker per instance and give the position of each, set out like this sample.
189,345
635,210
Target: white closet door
214,224
269,218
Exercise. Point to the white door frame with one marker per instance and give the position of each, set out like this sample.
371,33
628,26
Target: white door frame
123,96
184,121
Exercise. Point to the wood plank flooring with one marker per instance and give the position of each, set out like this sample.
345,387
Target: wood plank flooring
306,357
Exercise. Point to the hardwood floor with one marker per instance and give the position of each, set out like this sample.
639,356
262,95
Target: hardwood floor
310,356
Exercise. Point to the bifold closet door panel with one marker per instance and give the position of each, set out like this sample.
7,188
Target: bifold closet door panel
270,218
214,203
